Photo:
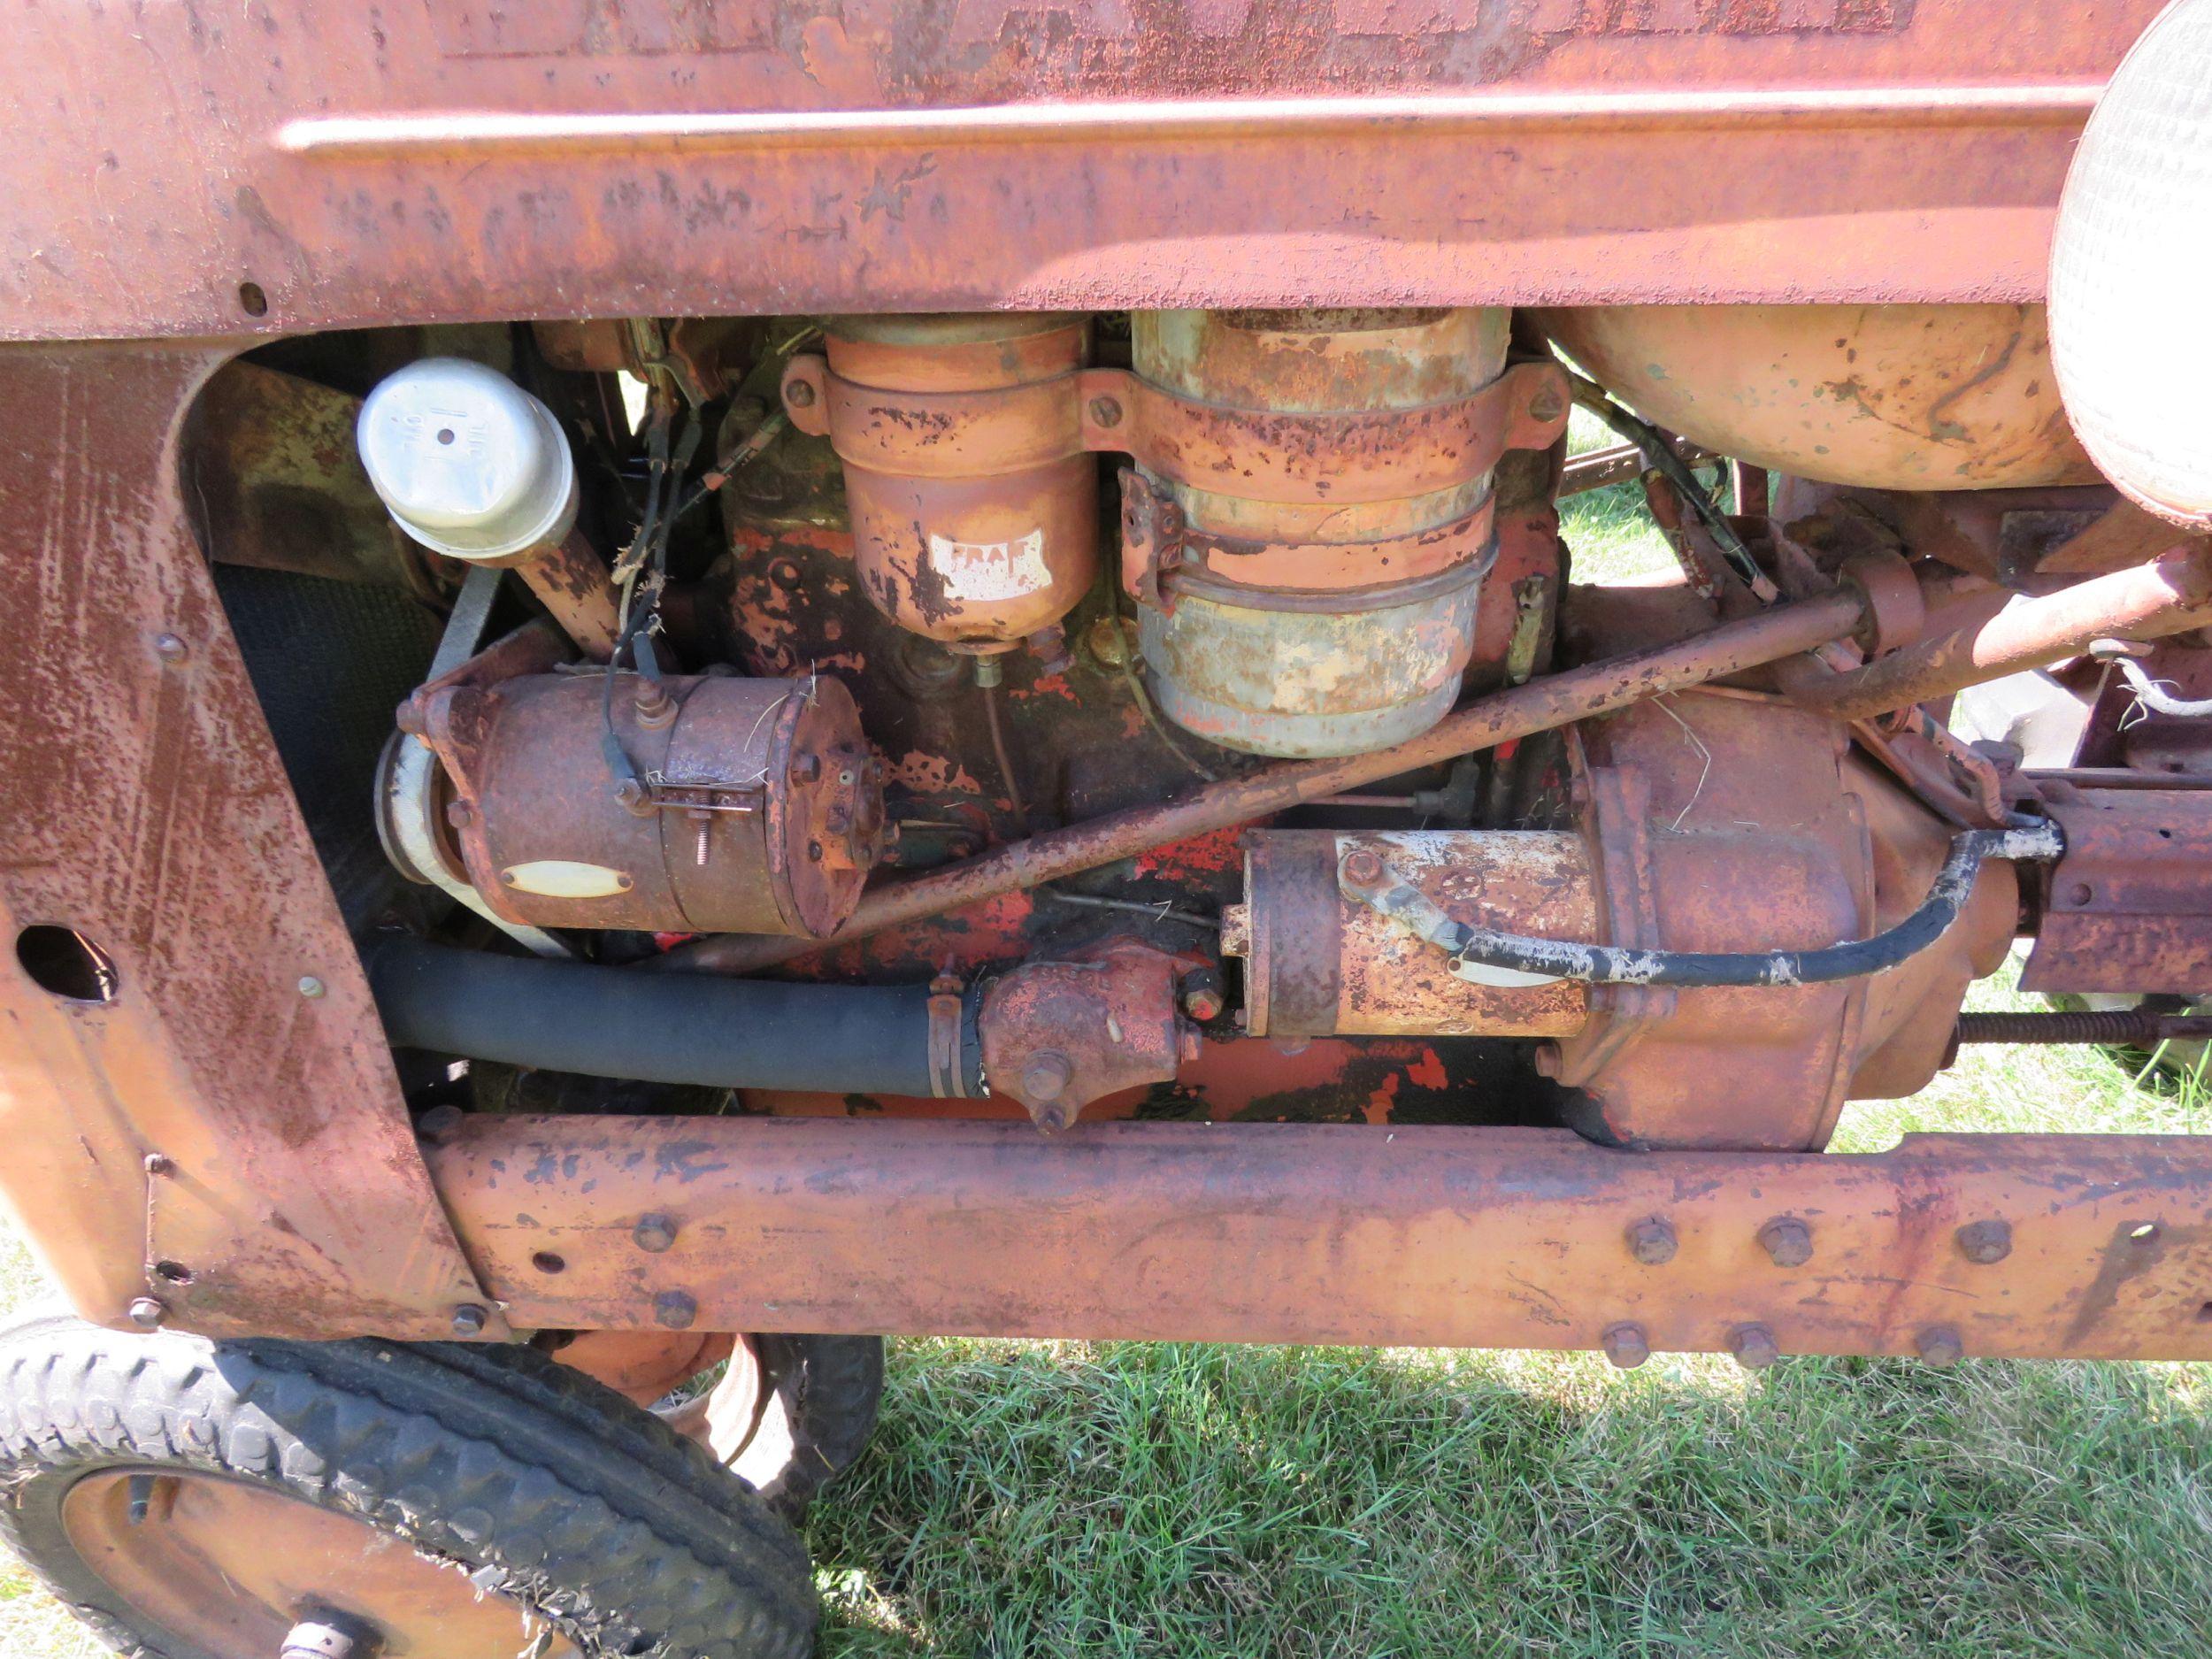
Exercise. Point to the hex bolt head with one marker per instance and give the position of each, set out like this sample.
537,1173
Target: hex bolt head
1626,1345
160,1164
1106,411
1789,1241
675,1308
1940,1345
1652,1240
1203,1002
1985,1243
1546,404
1202,995
654,1233
469,1320
1754,1347
1363,867
799,395
148,1312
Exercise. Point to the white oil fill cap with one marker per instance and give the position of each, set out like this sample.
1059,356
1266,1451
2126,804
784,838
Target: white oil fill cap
471,464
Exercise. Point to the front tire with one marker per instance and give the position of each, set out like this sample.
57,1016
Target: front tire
198,1500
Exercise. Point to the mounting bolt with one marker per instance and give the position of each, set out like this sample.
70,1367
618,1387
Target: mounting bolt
1046,1076
1754,1347
1652,1240
799,394
160,1164
1546,404
675,1308
1940,1345
654,1233
310,986
1789,1241
1626,1345
1363,868
148,1312
1106,411
1203,997
1985,1242
469,1320
459,814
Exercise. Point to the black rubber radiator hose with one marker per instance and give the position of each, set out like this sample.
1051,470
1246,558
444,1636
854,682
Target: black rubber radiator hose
664,1027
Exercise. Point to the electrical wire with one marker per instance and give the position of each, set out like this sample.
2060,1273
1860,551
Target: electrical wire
1660,456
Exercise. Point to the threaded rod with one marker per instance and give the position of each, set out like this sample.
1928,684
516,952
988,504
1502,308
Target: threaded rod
2131,1027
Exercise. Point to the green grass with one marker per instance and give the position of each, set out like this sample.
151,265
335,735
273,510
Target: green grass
1121,1499
1040,1499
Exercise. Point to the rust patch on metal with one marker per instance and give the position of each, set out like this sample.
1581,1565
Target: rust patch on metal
149,817
2126,908
1058,1035
599,159
1321,1233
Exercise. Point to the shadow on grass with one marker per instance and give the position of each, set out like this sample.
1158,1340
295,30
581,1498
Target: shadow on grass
1167,1500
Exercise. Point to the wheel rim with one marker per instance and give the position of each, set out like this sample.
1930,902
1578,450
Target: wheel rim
232,1567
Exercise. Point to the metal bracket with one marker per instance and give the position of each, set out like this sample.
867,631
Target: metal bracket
1152,541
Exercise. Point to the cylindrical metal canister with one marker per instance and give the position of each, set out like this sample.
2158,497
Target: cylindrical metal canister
755,806
974,504
1318,621
1318,963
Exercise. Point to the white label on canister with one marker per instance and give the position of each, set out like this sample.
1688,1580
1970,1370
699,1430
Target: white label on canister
991,569
565,879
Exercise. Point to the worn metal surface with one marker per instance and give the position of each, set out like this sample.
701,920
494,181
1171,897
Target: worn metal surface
1540,705
572,582
642,1366
272,480
2128,908
231,1567
2171,594
1350,673
1616,464
1335,611
974,509
1725,823
753,805
311,166
177,1140
1058,1035
1416,1235
1317,963
1914,397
